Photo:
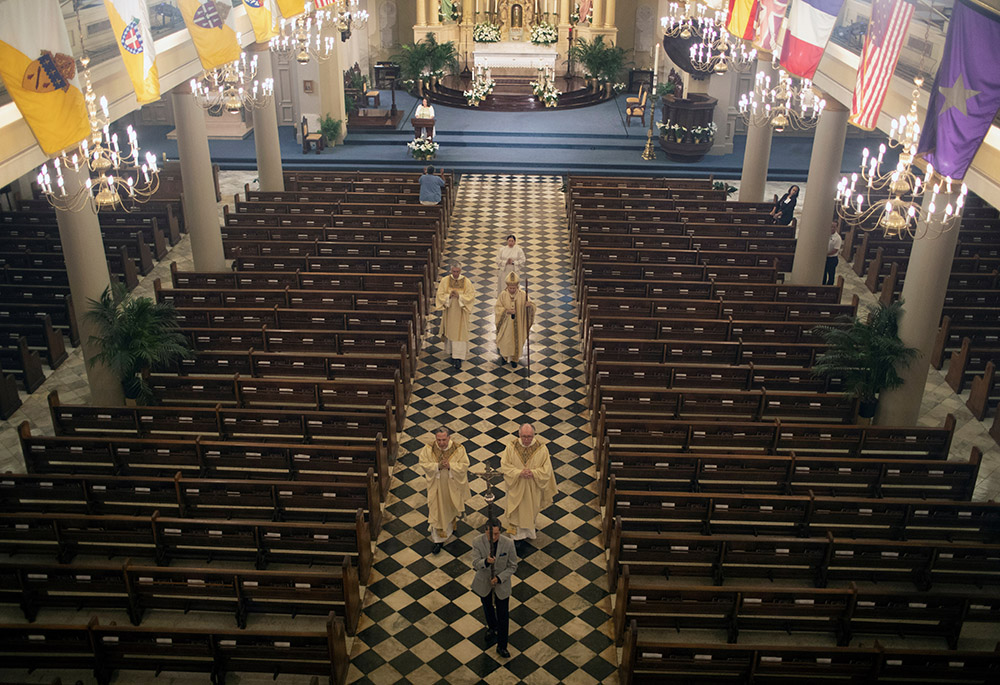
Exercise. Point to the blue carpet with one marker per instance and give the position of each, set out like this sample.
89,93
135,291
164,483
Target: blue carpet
589,140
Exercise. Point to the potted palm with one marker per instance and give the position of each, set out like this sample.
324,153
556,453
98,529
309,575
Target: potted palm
865,354
134,335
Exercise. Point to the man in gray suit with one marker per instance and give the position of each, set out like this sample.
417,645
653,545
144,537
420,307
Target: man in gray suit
494,560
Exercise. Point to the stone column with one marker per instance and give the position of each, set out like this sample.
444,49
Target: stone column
563,12
924,289
598,22
421,12
23,186
609,14
265,130
331,91
201,212
758,150
432,13
821,189
87,270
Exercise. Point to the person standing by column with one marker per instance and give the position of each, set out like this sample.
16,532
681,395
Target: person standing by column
494,559
832,255
531,483
446,466
455,296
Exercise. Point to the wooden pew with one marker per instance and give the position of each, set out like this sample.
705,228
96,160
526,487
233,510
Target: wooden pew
842,612
826,476
202,458
105,649
40,335
135,589
33,304
165,539
24,363
10,398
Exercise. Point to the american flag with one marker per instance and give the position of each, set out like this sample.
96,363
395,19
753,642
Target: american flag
886,31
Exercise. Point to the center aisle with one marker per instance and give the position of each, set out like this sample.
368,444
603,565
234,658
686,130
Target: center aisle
421,622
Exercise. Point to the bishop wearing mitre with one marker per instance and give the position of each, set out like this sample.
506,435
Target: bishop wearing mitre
445,465
531,483
514,314
455,296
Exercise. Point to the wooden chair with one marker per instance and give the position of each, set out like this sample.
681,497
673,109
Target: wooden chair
636,110
635,100
371,95
316,140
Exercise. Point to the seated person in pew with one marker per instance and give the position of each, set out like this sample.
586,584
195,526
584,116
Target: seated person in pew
445,465
431,186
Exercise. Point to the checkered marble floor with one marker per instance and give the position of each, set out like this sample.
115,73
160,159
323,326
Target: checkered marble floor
422,624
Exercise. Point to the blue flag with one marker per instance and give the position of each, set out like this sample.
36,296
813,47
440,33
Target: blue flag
966,93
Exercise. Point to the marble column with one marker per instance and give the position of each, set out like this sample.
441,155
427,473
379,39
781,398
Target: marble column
564,12
609,13
598,22
758,150
432,13
821,189
421,12
926,283
331,91
201,212
87,271
265,130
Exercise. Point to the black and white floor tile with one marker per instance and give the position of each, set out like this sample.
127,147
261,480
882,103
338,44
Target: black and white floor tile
421,622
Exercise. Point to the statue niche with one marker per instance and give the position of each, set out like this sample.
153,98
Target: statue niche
514,18
516,22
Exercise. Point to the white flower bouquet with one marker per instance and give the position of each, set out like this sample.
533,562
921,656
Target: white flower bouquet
544,34
480,89
484,32
546,93
422,148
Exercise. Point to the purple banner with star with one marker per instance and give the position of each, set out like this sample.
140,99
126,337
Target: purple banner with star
965,96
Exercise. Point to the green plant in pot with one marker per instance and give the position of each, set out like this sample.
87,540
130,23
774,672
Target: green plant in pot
135,335
665,89
330,128
866,354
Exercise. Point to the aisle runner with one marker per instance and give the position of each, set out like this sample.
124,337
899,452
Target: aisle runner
421,622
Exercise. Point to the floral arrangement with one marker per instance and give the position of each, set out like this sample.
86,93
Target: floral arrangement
695,134
574,17
544,34
617,88
546,92
423,148
485,32
480,89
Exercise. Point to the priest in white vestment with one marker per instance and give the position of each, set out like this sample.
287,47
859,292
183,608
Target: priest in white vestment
445,465
455,296
514,314
531,483
510,259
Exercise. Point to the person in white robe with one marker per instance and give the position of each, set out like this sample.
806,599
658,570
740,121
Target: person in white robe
514,315
455,297
425,110
510,259
446,467
531,483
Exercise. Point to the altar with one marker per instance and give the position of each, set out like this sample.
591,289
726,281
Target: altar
514,57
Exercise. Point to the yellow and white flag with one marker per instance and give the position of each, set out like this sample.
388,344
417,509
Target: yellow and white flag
130,26
39,72
261,13
291,8
210,23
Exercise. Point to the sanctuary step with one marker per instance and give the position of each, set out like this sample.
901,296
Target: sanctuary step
513,93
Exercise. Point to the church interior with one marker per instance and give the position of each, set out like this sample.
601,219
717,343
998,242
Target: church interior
772,414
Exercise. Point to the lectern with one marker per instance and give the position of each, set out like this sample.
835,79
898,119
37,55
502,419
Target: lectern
423,127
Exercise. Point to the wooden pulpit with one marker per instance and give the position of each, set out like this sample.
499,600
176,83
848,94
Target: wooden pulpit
423,127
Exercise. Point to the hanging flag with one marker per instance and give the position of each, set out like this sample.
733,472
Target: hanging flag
39,72
740,18
769,19
965,96
810,24
291,8
261,14
130,25
210,25
886,31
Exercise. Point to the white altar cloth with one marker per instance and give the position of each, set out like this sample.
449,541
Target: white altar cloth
514,55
